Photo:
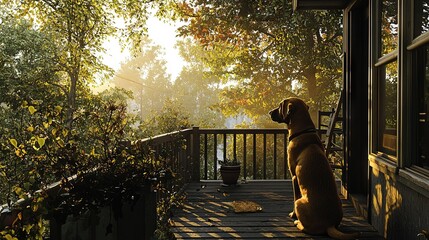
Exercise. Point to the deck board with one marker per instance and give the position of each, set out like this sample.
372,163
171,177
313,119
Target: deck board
207,213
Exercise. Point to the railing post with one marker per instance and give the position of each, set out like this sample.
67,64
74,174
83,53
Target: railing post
195,158
150,216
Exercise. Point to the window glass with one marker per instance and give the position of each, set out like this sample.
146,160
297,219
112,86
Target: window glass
387,112
389,26
421,17
423,125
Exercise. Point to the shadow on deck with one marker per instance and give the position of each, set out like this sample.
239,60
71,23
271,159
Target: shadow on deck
207,213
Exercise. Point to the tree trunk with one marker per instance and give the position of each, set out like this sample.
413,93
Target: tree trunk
74,76
313,91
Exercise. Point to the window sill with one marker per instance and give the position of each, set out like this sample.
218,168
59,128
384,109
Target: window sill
383,164
416,178
413,177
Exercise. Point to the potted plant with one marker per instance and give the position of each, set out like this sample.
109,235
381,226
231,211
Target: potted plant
230,171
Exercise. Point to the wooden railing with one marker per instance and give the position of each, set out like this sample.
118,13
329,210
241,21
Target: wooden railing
195,153
192,155
261,152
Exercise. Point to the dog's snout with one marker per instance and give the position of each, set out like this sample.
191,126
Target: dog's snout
275,116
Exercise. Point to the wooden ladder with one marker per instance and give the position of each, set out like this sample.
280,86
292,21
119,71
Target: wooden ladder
334,133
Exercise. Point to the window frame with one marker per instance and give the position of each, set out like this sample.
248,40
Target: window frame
413,48
378,65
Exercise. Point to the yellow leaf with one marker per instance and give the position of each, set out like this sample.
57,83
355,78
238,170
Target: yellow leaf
60,142
28,228
40,141
9,237
17,190
13,142
31,109
24,104
18,152
58,109
35,207
45,124
30,128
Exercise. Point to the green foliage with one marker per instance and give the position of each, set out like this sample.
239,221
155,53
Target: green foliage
266,53
172,117
229,162
39,146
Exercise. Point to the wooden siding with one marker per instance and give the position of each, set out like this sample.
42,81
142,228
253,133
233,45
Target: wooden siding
207,213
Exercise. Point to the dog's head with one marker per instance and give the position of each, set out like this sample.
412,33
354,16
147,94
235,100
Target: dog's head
288,108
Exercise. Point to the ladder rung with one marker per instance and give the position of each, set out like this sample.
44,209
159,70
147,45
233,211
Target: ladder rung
334,149
336,166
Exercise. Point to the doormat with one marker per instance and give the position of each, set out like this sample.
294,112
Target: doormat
246,207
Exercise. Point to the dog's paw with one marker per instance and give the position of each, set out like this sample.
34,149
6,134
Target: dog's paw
292,215
299,225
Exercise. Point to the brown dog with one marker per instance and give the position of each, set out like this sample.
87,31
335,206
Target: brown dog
317,204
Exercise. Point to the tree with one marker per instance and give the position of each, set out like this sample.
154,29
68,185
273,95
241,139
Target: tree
146,76
80,27
28,66
267,52
195,89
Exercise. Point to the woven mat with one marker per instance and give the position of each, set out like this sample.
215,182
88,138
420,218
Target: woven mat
246,207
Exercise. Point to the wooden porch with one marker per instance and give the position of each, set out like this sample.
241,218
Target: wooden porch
208,214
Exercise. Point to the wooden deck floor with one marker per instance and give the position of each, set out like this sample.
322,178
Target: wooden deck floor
207,213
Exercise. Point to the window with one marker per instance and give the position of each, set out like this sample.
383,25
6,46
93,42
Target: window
421,13
421,79
423,125
387,78
389,26
387,113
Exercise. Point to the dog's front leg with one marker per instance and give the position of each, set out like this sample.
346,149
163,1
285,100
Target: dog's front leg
296,195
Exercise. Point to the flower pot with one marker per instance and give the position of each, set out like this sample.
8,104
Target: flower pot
230,174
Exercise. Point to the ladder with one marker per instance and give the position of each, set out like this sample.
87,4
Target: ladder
333,138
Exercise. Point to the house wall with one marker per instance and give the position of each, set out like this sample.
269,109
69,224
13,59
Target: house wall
398,210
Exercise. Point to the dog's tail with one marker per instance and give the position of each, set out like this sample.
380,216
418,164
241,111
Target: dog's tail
333,232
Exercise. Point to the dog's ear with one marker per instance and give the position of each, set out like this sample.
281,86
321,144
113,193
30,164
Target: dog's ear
289,110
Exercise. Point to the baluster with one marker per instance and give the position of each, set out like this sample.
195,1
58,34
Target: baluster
275,155
215,156
244,156
205,157
254,156
265,156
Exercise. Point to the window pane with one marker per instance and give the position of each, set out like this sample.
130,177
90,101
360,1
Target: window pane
387,118
423,129
422,17
389,26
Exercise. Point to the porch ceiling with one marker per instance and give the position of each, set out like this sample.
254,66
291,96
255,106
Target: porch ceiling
318,4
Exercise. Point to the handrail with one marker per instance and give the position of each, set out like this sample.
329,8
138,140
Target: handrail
193,154
262,152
